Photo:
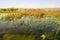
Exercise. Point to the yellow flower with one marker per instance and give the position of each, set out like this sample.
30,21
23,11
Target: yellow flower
43,36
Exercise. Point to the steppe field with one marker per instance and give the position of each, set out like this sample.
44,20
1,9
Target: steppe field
30,24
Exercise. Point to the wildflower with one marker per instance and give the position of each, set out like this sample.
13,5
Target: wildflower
43,36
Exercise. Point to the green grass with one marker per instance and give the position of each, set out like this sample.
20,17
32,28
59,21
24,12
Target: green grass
18,37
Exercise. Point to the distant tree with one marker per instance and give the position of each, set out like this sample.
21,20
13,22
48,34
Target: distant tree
4,9
42,15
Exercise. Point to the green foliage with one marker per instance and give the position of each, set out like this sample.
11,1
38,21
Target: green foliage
8,18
